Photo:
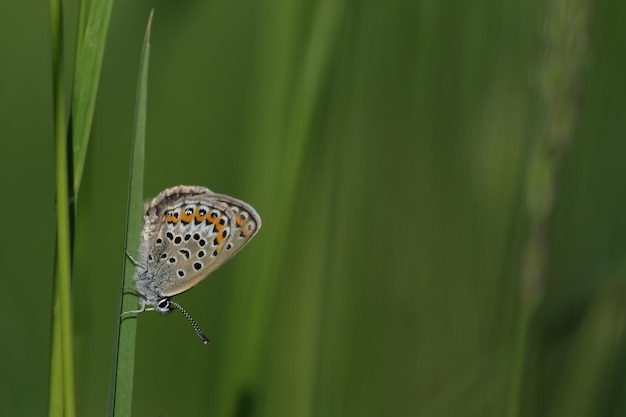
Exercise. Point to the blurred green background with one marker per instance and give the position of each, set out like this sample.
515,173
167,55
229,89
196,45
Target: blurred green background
387,147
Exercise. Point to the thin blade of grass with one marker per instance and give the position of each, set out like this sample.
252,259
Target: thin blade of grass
61,390
122,372
89,52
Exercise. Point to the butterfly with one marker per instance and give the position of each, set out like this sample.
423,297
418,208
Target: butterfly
188,232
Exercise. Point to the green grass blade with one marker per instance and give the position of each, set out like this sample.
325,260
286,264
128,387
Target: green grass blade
83,10
61,390
122,373
89,52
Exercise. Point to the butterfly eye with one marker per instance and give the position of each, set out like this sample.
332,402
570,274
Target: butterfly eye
163,306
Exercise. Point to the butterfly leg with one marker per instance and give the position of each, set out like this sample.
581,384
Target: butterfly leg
142,308
133,260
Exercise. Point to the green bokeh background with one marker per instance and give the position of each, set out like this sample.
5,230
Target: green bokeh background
386,146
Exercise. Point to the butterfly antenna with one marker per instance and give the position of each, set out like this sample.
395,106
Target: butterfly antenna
192,322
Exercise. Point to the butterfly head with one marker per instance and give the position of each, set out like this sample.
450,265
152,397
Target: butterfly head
163,306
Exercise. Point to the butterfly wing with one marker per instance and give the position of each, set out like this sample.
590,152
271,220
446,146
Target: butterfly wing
195,231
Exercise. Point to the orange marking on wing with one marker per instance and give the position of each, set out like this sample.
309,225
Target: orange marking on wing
218,226
219,239
171,219
245,232
239,221
186,217
200,218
